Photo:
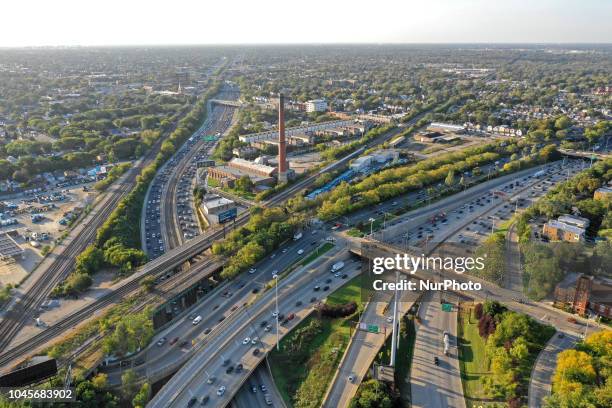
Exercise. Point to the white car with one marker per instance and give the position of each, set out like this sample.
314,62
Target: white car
221,390
274,314
254,340
252,271
300,251
246,340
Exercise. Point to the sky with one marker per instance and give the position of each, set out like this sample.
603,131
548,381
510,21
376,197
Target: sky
166,22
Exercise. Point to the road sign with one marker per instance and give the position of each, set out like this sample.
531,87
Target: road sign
228,215
447,307
372,328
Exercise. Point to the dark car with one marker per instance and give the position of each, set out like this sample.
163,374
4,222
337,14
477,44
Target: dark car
192,402
239,368
436,361
298,303
226,362
229,369
264,323
256,352
313,299
205,400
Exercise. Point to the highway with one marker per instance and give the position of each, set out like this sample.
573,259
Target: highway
364,347
295,296
436,385
227,299
252,394
168,216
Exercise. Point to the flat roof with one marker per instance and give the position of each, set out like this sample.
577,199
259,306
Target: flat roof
8,246
566,227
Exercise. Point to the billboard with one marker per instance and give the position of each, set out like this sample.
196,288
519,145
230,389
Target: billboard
228,215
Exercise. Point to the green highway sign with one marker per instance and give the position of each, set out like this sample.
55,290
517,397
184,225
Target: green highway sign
447,307
372,328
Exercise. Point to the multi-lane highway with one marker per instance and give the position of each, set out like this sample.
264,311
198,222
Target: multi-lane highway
251,334
436,376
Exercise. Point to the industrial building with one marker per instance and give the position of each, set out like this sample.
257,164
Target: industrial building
445,128
214,204
9,249
260,174
363,163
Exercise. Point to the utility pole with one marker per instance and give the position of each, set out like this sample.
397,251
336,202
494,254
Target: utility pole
394,334
276,302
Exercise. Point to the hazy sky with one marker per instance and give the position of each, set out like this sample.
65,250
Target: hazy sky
125,22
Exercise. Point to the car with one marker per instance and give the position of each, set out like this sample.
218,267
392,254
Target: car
317,288
252,270
264,323
328,280
275,313
291,316
263,388
192,402
344,276
298,303
351,378
268,328
246,340
184,344
161,341
173,341
256,352
389,319
254,340
226,362
254,389
211,380
239,368
255,291
313,299
272,256
284,251
221,390
325,288
300,251
229,369
268,399
204,400
208,330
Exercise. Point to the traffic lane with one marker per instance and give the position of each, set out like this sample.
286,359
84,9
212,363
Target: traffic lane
540,382
252,395
363,348
217,306
435,385
214,343
300,287
418,217
461,217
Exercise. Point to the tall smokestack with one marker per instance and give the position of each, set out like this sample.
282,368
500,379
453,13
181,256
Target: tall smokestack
282,143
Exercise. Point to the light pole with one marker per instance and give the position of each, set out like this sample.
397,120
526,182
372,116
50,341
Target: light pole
275,276
371,224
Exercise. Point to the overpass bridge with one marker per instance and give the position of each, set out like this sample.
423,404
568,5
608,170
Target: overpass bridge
225,102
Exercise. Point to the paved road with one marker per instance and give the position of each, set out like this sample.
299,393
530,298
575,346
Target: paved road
251,395
434,386
540,383
165,358
295,294
365,346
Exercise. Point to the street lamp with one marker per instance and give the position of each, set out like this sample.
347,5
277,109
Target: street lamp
371,224
275,276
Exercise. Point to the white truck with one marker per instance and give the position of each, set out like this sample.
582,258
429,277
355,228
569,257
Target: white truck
446,343
337,266
539,174
297,236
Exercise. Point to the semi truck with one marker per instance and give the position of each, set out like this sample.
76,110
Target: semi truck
337,266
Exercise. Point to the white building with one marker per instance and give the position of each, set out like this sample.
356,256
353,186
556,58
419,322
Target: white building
316,105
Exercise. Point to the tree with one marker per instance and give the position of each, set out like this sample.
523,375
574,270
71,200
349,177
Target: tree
244,183
148,283
129,384
142,397
100,381
450,178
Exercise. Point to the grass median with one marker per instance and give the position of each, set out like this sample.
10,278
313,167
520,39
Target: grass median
310,354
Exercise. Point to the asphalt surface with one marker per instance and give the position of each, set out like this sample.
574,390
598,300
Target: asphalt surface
436,385
226,300
296,295
540,383
252,395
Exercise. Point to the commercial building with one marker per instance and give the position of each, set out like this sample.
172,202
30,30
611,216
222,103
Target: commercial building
363,163
567,228
316,105
579,293
214,204
445,127
602,193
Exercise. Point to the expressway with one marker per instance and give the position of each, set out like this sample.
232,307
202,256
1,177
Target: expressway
258,391
364,347
168,216
157,360
436,385
208,372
